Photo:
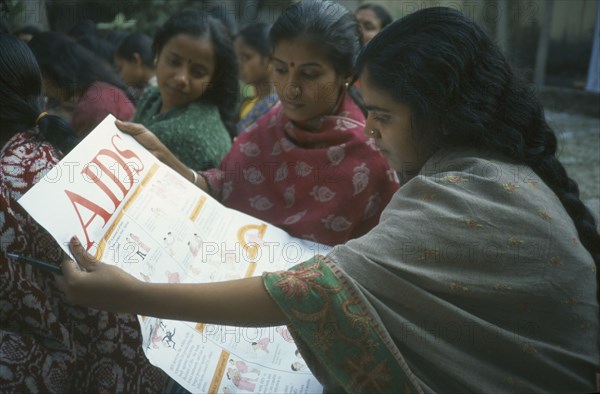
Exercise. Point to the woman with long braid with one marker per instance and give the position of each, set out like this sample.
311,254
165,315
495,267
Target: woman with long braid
482,273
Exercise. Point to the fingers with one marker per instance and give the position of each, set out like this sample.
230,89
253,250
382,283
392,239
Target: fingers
70,274
84,259
131,128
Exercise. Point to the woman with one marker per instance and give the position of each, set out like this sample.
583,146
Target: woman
305,166
85,90
191,110
372,19
253,49
48,344
483,272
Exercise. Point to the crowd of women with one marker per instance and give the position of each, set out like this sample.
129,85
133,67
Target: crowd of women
463,258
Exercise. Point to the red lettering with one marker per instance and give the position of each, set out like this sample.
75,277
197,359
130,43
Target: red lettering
114,176
128,154
77,201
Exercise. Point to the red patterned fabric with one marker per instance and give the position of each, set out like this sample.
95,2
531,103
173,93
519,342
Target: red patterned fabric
328,186
47,345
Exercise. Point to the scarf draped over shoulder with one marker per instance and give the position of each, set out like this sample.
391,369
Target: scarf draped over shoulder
327,185
474,281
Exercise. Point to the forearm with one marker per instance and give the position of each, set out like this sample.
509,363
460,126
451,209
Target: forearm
188,173
243,302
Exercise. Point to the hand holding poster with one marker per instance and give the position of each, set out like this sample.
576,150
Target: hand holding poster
132,211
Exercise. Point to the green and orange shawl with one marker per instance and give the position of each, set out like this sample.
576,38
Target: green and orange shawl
474,280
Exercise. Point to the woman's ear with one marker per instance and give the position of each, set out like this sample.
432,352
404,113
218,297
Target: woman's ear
137,59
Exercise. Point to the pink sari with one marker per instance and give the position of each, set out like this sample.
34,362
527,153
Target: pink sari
328,185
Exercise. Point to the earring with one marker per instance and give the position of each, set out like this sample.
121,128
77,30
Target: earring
372,132
347,85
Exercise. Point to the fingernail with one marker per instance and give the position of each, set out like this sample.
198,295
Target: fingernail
74,239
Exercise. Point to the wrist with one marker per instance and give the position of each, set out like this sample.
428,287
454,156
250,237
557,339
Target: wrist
194,179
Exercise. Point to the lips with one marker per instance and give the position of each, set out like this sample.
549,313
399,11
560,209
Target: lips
177,93
293,105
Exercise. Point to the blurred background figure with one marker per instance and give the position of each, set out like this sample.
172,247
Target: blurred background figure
83,88
252,48
371,18
135,62
86,34
27,32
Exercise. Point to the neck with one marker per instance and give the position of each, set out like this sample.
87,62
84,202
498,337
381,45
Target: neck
313,124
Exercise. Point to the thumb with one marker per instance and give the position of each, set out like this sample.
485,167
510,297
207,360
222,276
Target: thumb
83,258
130,127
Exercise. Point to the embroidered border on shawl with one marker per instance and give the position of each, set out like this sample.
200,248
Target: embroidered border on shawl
328,317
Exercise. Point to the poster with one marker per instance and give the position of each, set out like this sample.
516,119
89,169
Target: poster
132,211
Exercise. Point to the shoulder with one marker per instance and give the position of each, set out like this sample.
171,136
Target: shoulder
462,183
24,160
103,95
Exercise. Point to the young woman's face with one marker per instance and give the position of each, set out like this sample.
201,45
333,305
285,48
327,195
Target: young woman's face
184,69
131,71
369,23
389,124
306,82
253,67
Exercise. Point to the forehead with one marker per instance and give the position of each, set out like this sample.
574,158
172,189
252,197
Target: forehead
372,95
366,15
241,45
299,51
195,49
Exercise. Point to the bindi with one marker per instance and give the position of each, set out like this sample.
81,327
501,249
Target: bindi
292,64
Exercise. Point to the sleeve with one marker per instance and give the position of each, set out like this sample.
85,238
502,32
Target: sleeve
197,137
96,104
342,341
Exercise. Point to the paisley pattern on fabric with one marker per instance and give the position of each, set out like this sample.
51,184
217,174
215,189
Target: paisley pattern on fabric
333,328
46,344
276,170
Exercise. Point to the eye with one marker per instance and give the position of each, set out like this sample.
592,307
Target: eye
310,75
280,71
172,61
198,73
383,119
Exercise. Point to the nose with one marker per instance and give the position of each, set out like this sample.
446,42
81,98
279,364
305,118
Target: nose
293,88
182,78
370,131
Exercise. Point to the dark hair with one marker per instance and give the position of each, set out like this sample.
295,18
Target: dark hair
70,65
22,97
382,14
86,35
462,91
223,90
256,36
328,25
220,13
138,43
4,26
